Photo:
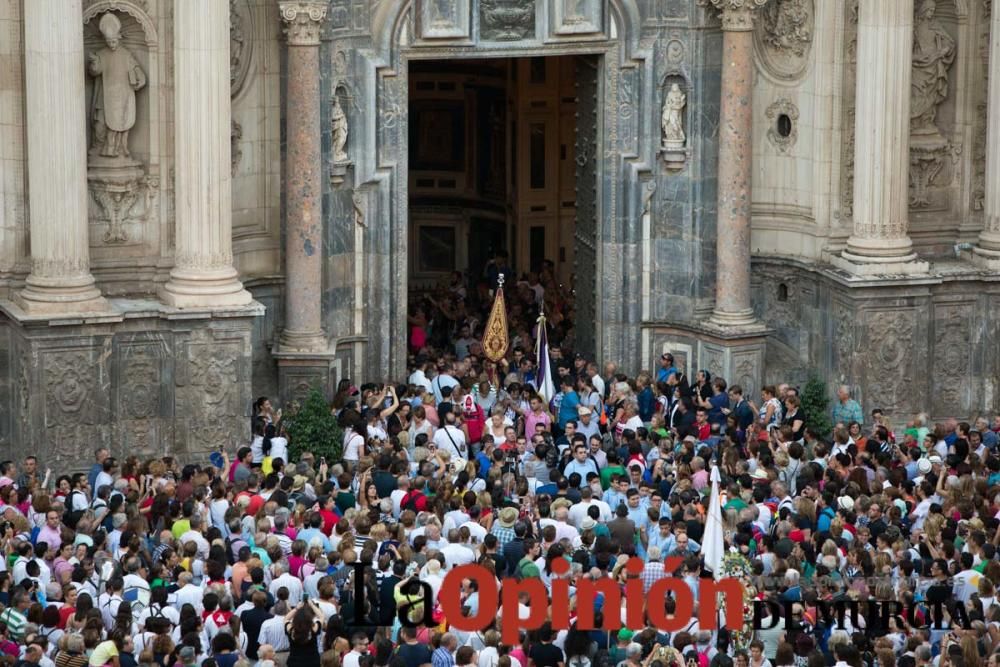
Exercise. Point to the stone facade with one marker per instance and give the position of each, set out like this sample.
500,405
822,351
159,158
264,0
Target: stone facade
649,224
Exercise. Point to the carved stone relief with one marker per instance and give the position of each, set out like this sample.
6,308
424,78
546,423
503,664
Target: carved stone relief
843,338
933,55
890,340
70,385
784,129
952,358
979,119
236,153
212,390
240,44
506,20
576,17
443,19
783,37
847,131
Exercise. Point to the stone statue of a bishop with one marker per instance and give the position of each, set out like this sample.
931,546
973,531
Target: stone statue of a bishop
118,76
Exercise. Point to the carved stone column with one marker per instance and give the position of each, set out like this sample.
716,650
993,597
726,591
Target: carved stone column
732,277
987,251
880,243
203,275
303,330
60,281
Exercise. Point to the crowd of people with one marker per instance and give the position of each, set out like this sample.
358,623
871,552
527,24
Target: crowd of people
253,560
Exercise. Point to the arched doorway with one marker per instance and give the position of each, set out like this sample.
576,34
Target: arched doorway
616,107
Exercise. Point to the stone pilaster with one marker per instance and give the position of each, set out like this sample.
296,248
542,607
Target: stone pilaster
203,275
987,251
60,281
303,180
879,243
732,277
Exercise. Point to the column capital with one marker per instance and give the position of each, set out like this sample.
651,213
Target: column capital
303,20
737,15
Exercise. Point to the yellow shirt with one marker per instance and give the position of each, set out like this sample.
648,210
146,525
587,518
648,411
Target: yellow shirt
103,653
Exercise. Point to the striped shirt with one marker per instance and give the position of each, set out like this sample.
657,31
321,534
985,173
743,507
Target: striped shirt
15,621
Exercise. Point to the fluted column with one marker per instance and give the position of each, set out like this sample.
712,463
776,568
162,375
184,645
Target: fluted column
203,275
879,241
988,247
303,330
56,112
732,276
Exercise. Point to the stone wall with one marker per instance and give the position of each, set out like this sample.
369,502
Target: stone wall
146,382
905,346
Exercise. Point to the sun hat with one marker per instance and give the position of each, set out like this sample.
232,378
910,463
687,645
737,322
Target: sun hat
508,517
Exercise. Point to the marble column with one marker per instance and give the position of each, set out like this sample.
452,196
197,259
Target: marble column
60,281
987,251
203,275
732,276
879,242
303,330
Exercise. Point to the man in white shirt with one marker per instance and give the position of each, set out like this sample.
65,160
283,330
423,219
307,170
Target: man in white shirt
194,535
419,377
283,579
451,439
272,632
586,424
188,593
443,379
578,512
456,553
109,601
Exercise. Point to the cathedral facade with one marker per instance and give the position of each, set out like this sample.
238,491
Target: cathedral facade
204,200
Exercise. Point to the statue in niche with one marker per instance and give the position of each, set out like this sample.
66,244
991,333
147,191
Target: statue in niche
671,122
338,120
933,54
118,76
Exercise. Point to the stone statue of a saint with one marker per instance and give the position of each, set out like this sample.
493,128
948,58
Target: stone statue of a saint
673,127
118,75
933,55
338,120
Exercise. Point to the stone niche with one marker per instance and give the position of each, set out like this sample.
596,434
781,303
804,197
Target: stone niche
123,179
149,383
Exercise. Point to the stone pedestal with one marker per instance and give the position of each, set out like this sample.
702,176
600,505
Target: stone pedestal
116,185
203,275
60,281
987,252
300,372
303,332
144,378
732,278
879,244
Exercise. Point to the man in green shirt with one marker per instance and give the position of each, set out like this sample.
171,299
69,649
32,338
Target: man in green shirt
14,615
527,567
614,467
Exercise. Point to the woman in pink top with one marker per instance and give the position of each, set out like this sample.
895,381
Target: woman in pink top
430,410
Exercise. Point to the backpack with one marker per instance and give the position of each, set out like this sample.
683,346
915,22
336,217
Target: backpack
72,517
414,500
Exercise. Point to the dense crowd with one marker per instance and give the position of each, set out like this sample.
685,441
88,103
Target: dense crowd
253,560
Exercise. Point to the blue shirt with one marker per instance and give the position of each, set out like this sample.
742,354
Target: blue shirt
718,402
664,373
647,404
442,657
614,498
567,408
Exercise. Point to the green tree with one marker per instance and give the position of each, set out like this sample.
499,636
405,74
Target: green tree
312,427
816,405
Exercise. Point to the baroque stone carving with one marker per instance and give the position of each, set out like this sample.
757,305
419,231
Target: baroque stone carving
303,21
671,119
784,36
116,199
118,76
980,118
933,55
70,383
213,379
927,159
890,341
736,15
235,152
240,44
952,343
843,338
847,134
141,391
506,20
783,137
338,123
